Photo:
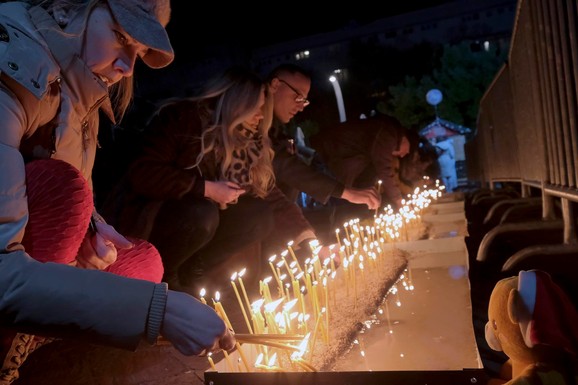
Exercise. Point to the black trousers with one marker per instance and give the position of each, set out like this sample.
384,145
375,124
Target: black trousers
194,234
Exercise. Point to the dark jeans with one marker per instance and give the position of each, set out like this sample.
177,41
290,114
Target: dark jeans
193,234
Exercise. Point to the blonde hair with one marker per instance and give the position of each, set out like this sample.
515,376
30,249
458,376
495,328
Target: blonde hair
121,93
230,100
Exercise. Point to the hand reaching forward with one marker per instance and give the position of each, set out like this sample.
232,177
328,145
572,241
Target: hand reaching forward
194,328
368,196
99,249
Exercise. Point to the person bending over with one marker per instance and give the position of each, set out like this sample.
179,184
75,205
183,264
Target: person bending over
62,62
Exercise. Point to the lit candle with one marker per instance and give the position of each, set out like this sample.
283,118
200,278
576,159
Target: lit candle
258,319
283,254
221,311
275,271
309,288
266,292
203,292
294,256
346,232
211,362
241,273
297,294
233,277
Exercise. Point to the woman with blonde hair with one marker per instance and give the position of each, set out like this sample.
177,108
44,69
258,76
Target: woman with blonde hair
197,190
63,61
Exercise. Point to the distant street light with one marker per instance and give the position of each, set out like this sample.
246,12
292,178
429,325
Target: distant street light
339,98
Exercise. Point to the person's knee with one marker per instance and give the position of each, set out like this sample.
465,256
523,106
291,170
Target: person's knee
264,222
199,217
265,227
142,261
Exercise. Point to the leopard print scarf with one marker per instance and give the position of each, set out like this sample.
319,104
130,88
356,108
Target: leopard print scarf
245,158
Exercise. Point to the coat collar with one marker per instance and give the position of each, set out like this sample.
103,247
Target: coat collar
87,91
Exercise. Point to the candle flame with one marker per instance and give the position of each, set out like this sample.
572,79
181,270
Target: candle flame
271,306
290,304
203,292
242,272
234,276
302,348
272,360
272,258
217,296
259,359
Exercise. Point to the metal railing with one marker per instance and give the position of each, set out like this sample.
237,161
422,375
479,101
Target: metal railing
527,123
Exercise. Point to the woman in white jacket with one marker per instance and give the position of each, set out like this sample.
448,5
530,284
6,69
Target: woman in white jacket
61,63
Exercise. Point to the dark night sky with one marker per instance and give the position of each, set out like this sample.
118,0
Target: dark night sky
253,26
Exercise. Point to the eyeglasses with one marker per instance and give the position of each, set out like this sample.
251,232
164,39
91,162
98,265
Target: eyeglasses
299,98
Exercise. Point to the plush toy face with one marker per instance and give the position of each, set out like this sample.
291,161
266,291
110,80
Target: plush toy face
504,313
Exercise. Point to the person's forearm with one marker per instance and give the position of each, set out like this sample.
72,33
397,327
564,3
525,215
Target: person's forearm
62,301
291,171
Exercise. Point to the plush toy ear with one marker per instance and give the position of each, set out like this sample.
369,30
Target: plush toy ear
518,313
513,306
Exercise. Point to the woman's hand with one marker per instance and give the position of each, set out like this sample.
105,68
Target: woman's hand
99,249
223,192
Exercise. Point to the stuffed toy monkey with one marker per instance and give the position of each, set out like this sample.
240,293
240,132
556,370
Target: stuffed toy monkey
536,325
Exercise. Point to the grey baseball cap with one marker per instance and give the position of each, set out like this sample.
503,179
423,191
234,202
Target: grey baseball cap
145,21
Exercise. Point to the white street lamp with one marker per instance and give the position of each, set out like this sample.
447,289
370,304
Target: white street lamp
339,98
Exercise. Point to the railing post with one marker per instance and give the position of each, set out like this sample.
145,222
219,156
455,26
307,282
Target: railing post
569,222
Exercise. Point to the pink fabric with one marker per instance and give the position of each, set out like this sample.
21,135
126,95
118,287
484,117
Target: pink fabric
143,261
60,205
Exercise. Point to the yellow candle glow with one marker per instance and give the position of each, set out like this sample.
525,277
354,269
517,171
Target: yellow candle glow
221,311
276,275
337,237
203,292
294,256
241,273
297,294
265,288
211,362
283,254
233,277
326,308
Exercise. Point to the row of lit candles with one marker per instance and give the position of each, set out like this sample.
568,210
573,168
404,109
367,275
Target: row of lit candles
311,290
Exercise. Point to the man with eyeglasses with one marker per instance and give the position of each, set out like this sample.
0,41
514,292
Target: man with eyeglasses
290,85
